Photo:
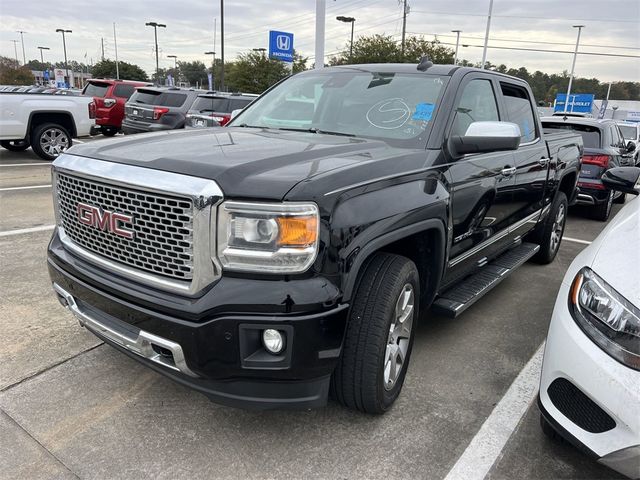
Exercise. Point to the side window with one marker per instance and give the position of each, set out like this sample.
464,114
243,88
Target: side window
520,111
123,90
477,104
617,137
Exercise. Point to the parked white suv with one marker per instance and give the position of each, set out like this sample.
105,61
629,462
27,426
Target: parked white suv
47,123
590,384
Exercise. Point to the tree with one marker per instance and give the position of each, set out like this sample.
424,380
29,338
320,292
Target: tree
12,74
193,72
299,62
159,78
128,71
416,47
254,72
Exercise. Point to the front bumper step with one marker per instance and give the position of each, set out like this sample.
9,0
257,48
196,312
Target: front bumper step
460,297
144,344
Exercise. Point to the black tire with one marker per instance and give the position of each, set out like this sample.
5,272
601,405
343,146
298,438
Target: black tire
603,210
549,235
109,131
620,199
15,145
548,430
359,381
59,138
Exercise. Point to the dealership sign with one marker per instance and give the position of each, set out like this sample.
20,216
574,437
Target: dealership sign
281,46
578,103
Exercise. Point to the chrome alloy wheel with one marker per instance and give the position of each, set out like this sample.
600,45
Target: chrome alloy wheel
558,227
54,141
399,336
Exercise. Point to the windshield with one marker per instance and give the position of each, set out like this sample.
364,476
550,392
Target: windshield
95,89
590,135
395,107
628,132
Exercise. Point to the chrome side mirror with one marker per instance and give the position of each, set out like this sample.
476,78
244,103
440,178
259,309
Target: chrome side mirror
483,137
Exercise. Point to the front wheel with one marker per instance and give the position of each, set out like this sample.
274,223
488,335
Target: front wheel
550,234
379,336
50,140
15,145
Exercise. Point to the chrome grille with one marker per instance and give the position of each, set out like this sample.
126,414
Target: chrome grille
163,225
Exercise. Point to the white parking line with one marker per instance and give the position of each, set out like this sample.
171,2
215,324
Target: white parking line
38,164
20,231
24,188
486,447
576,240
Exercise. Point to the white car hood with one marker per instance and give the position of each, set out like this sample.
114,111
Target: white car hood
616,252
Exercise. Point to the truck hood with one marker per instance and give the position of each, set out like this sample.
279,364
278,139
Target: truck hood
245,162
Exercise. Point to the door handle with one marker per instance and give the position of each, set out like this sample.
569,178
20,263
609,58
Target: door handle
543,162
508,171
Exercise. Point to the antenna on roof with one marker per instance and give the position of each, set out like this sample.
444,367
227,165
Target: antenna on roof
425,63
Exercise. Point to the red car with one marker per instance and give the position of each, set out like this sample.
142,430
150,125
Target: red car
110,96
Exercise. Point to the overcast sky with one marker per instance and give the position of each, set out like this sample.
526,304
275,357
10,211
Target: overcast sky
612,27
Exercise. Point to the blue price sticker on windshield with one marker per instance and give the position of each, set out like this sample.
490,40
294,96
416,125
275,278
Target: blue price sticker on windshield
424,111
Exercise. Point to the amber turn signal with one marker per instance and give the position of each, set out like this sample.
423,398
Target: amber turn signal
297,231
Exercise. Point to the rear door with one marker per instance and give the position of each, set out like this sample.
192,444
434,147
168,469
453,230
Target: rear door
482,203
531,158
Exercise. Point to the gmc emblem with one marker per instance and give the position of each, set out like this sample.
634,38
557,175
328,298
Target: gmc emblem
104,220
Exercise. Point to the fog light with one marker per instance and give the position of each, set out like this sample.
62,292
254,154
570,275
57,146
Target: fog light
273,341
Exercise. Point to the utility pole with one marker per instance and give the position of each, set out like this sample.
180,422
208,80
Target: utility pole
15,49
24,58
404,26
64,46
573,66
455,57
115,44
486,36
102,43
321,9
155,26
222,45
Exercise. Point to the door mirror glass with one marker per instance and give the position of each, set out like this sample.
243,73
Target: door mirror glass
631,147
622,179
483,137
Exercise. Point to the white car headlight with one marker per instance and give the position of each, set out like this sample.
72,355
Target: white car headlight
608,318
267,237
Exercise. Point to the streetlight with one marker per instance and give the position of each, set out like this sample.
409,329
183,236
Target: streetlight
24,58
352,21
213,65
573,66
261,49
155,26
41,49
15,49
64,46
455,57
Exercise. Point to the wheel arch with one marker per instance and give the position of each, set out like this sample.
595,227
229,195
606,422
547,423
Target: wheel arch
62,118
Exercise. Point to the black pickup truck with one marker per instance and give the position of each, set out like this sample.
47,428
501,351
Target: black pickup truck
290,254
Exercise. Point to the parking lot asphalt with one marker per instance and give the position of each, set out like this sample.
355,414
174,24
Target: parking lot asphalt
72,407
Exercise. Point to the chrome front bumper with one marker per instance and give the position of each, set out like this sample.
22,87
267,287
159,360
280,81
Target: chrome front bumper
132,339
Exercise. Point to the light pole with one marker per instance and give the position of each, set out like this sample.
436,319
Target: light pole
221,46
64,46
455,57
213,65
573,66
321,10
155,26
486,35
352,21
24,58
41,56
261,49
15,50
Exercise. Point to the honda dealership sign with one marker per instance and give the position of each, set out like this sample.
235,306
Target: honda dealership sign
281,46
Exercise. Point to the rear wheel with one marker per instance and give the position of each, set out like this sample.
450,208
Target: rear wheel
620,199
602,211
550,234
15,145
379,336
49,140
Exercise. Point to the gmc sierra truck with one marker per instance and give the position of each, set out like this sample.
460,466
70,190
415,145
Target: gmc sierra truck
291,253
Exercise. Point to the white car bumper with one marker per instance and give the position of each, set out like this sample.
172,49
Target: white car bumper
614,387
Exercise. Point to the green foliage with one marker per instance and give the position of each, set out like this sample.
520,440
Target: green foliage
193,72
128,71
10,74
253,72
384,49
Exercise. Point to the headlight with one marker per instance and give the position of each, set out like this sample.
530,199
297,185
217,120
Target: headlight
608,318
267,237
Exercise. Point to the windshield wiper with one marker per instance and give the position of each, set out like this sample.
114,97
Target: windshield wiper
244,125
317,130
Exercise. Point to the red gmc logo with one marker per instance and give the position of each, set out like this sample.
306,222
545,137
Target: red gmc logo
104,220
